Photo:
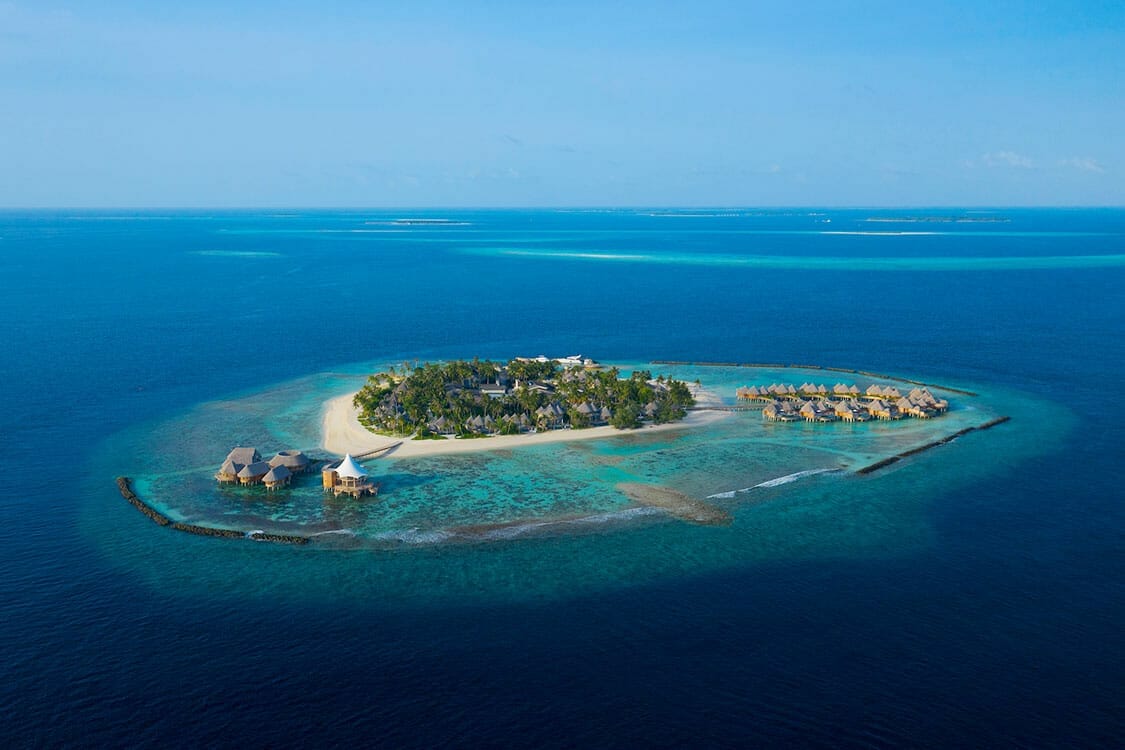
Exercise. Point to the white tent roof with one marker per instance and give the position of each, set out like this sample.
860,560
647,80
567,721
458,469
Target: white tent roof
349,468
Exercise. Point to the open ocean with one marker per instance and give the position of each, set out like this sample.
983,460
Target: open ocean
970,596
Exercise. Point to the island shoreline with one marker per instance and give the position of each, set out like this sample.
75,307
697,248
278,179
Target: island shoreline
341,432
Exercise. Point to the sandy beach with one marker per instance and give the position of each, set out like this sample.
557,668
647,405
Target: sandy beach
342,433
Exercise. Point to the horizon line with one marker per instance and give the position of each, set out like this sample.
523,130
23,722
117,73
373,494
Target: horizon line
570,207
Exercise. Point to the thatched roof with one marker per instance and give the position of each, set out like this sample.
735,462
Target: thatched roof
277,474
252,470
244,456
292,460
230,468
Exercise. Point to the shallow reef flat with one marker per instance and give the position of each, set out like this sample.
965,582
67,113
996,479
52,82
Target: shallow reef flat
700,471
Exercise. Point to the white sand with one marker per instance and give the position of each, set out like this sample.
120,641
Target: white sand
342,433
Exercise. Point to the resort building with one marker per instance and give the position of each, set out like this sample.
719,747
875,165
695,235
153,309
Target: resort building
253,473
346,477
245,466
295,461
276,477
844,402
237,460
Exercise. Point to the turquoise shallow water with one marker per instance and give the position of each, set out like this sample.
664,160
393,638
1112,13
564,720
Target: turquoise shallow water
529,503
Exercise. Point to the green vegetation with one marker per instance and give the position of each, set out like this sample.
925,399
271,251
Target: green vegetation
479,397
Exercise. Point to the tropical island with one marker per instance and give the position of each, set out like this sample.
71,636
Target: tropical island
481,398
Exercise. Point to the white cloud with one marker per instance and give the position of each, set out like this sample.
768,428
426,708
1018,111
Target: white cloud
1007,159
1083,163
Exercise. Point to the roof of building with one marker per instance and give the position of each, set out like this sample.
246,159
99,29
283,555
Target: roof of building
349,468
244,456
290,459
277,474
255,469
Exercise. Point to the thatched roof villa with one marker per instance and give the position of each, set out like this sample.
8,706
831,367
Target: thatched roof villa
844,402
277,476
253,473
295,461
237,460
245,466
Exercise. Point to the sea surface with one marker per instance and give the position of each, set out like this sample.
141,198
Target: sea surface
972,595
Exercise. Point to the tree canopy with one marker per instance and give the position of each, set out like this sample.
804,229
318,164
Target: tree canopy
474,397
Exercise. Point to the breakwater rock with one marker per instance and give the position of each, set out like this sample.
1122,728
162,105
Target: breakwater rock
942,441
125,486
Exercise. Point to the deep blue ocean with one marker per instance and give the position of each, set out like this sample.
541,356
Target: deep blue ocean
988,611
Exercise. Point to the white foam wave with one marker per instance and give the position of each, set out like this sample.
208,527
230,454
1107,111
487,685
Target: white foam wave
835,263
618,515
775,482
885,234
515,530
414,536
237,253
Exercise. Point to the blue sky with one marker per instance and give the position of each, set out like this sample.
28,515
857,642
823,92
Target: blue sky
590,104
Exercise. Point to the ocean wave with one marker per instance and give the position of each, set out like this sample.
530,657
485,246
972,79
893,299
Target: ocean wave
414,536
500,532
883,234
237,253
594,519
813,263
775,482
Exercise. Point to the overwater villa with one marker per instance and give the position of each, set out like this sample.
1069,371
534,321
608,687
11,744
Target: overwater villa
817,403
245,466
346,477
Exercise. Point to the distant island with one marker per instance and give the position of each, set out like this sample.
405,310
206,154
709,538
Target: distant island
479,398
939,219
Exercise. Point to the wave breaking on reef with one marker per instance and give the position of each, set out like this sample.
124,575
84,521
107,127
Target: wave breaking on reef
775,482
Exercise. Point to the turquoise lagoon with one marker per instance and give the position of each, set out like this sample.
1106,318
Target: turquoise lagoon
537,519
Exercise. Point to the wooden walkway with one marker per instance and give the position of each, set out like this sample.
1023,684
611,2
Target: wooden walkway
377,451
757,407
